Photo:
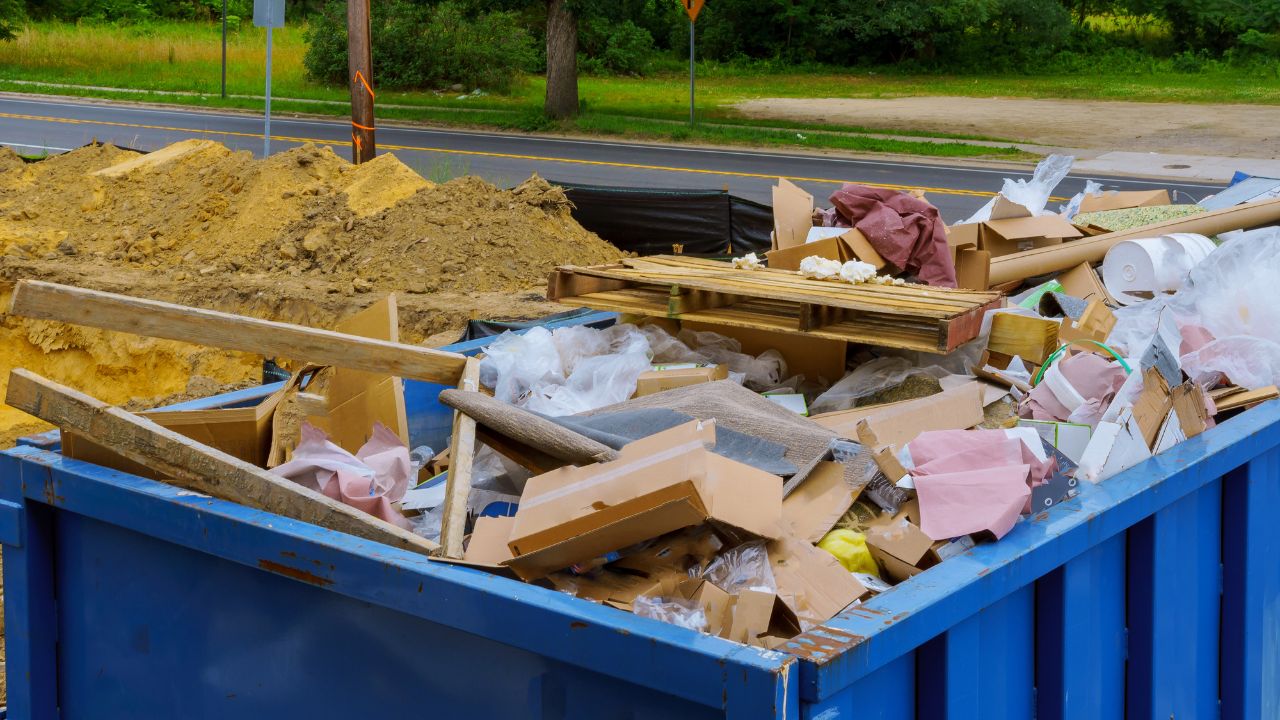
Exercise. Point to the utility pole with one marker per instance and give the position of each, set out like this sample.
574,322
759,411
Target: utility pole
224,49
360,66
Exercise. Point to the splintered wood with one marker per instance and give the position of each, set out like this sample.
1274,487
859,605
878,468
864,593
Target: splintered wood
914,317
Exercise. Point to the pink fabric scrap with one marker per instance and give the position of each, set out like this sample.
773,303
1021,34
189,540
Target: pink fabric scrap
376,476
1094,377
948,452
963,503
905,230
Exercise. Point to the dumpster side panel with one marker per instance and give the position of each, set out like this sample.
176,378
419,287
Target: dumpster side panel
1251,590
133,609
1174,608
206,637
1080,636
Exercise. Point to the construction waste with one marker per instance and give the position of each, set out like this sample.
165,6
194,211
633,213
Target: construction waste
303,236
748,451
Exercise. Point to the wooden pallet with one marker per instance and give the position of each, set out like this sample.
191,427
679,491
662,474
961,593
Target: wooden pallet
915,317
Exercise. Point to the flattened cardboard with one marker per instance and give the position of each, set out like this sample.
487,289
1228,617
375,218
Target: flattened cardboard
808,356
818,503
963,236
750,615
488,544
1189,407
792,214
957,409
1238,400
1115,446
812,585
1114,200
359,399
947,549
659,484
1152,405
1082,281
656,381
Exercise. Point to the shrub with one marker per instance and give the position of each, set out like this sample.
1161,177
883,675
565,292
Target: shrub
417,46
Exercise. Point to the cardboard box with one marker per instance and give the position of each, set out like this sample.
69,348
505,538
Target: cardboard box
1082,281
1114,200
840,244
973,269
815,506
1015,234
809,356
658,484
795,238
900,538
669,378
244,433
488,544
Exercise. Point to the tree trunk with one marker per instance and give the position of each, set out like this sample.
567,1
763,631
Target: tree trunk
562,60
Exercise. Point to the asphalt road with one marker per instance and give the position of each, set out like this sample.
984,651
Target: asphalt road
33,125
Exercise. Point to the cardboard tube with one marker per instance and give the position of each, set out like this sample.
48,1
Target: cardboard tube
1056,258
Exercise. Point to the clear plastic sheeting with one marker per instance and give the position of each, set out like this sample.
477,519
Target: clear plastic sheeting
868,379
676,611
745,567
1032,194
1072,208
1231,304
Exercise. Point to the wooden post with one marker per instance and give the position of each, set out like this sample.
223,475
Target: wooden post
360,66
462,451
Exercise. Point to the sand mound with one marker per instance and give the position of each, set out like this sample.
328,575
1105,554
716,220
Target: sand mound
303,236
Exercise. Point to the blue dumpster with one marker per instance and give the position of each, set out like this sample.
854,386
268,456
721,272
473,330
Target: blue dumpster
1153,595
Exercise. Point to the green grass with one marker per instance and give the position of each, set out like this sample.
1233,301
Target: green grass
185,57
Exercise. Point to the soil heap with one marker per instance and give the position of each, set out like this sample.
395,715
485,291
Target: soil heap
303,236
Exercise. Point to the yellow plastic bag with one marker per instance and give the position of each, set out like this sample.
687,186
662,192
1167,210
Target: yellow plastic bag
850,548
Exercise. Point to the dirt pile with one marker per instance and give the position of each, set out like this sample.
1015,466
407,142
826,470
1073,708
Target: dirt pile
303,236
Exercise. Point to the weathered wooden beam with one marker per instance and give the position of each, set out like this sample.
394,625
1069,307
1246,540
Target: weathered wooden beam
462,451
193,465
109,311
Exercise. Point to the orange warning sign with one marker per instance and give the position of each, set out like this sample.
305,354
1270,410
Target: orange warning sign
693,7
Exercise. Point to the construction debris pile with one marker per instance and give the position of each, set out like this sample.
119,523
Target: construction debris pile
747,451
303,236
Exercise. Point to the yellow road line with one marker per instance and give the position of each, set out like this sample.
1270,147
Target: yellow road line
511,156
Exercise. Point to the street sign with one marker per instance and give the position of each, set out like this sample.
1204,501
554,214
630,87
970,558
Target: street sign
693,7
268,13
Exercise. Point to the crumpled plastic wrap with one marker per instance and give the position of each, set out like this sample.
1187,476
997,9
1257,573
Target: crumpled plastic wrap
1032,194
745,567
1229,305
759,373
676,611
566,371
1091,187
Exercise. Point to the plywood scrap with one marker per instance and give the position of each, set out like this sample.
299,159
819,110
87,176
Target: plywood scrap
151,318
195,466
1031,338
1245,398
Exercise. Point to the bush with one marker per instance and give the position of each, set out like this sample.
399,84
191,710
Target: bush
417,46
605,46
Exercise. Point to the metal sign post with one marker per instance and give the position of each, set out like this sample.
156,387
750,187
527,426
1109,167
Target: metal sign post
268,14
692,7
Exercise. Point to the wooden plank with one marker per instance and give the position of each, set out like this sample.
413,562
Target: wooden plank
195,466
566,283
1241,399
462,450
108,311
686,301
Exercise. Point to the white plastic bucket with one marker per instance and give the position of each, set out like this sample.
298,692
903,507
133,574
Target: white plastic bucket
1154,265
